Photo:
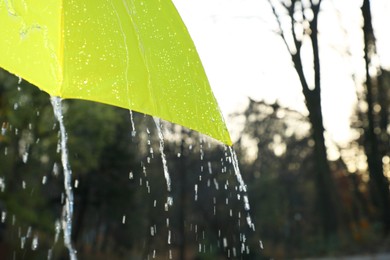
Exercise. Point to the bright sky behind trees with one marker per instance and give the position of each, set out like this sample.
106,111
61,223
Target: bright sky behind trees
244,56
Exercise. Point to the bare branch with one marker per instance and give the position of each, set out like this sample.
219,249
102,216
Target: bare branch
277,17
297,43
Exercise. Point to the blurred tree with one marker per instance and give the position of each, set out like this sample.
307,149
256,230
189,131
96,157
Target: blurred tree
302,25
376,134
276,152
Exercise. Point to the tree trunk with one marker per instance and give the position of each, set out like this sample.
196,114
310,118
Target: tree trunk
379,186
326,192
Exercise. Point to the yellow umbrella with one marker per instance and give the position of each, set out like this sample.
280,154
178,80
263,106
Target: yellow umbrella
133,54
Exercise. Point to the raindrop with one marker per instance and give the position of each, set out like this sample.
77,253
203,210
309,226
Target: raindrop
22,242
57,229
209,166
144,170
133,131
44,180
4,128
123,219
131,176
3,216
170,200
2,184
196,192
34,244
147,186
56,169
249,220
169,237
25,157
152,231
28,234
225,243
216,184
246,203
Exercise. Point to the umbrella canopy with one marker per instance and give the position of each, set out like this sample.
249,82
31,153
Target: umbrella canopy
133,54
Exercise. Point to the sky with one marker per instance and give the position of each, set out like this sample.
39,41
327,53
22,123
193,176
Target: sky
244,57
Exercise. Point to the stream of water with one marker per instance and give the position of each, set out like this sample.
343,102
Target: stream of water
242,187
163,157
67,215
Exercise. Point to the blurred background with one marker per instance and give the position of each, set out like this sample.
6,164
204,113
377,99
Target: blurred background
305,89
